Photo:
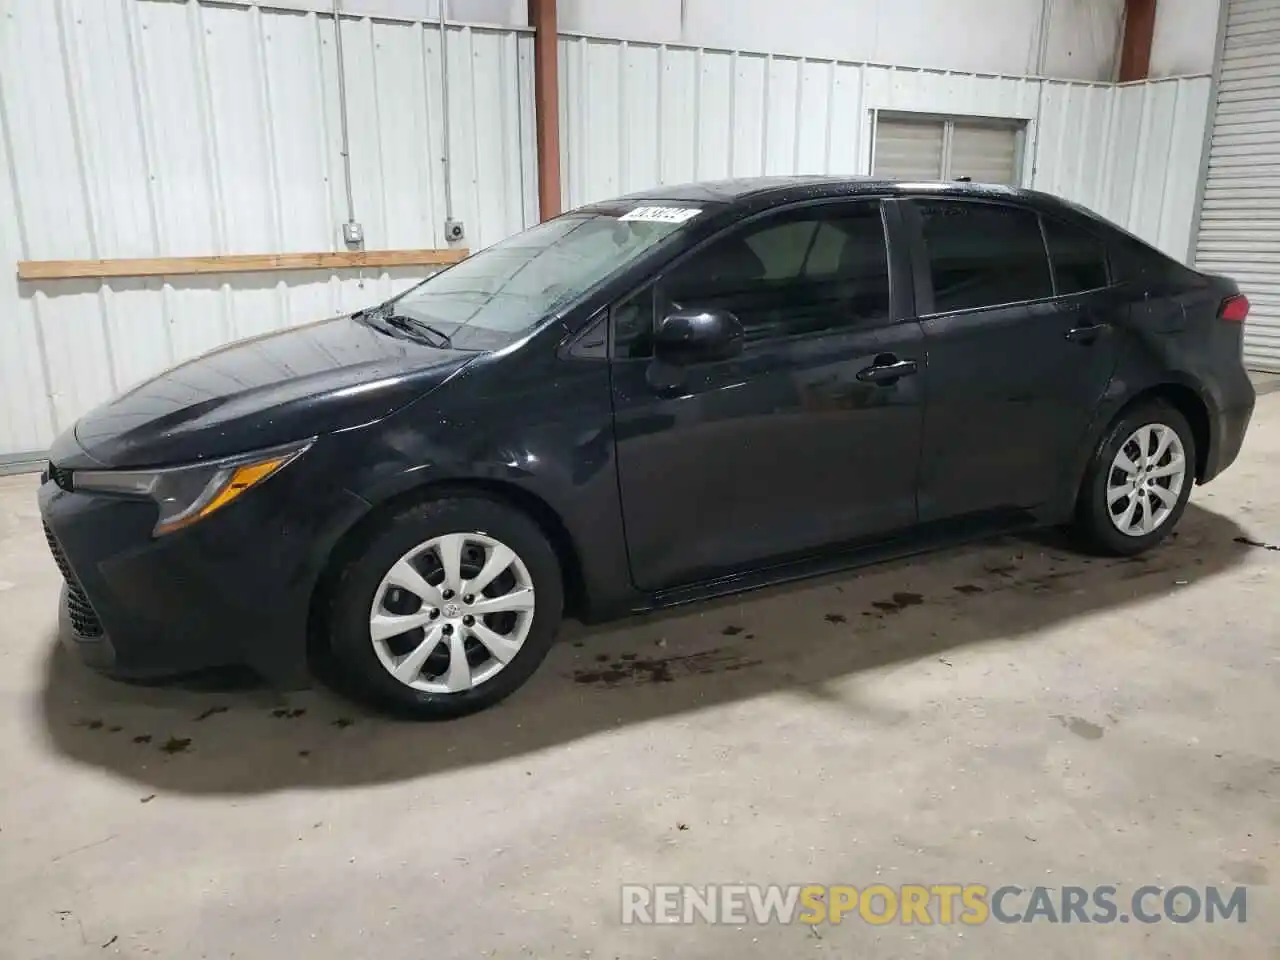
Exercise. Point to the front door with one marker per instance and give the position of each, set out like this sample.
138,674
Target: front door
1020,352
791,445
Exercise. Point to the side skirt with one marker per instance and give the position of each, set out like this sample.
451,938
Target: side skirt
924,539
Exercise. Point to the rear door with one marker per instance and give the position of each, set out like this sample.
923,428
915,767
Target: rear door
793,444
1018,361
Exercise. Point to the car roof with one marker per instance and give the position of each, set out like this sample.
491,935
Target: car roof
792,188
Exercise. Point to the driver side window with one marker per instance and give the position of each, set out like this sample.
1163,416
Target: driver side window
792,274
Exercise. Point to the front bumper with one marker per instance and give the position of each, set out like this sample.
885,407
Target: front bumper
92,647
234,588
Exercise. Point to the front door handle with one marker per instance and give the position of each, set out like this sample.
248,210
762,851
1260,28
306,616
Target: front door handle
1086,334
887,370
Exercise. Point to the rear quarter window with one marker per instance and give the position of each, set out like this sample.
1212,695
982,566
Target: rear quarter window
1079,258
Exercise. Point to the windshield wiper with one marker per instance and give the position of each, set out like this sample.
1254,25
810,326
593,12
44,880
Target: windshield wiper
402,322
387,314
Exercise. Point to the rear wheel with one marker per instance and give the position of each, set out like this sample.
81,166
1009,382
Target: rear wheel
1139,480
449,608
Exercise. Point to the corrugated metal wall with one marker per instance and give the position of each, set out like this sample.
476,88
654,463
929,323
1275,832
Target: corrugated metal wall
665,113
133,128
174,127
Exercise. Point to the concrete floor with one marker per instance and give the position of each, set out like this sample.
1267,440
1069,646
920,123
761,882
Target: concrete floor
1009,713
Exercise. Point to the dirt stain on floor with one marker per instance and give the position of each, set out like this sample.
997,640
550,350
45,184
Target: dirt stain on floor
1082,728
1247,871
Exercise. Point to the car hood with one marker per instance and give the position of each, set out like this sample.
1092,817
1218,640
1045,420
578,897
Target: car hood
264,391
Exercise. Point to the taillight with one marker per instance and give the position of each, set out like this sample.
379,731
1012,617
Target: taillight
1234,308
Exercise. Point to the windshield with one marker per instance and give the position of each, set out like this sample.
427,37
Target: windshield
500,293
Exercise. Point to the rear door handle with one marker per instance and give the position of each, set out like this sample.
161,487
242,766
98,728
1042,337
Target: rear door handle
1086,334
886,370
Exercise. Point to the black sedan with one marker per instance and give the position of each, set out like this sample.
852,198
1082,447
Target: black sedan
643,402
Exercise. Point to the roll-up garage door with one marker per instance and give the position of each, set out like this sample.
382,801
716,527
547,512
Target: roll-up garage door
946,148
908,149
1240,217
983,152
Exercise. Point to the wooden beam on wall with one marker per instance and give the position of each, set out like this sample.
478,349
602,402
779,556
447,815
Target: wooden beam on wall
235,263
546,103
1135,47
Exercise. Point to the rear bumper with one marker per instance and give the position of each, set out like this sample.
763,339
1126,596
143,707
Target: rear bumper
1228,438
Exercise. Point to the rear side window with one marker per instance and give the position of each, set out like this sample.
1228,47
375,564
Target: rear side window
1079,258
983,255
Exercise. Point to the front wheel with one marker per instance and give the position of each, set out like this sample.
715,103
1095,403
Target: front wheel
450,607
1139,480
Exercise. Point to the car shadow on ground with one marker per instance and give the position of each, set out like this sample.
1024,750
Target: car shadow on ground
229,738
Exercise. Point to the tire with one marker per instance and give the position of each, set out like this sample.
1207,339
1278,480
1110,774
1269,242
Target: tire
1100,523
378,582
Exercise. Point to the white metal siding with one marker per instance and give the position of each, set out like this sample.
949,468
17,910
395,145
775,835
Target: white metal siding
909,149
667,113
150,128
137,128
1240,216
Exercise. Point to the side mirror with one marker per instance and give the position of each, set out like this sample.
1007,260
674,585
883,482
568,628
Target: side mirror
692,336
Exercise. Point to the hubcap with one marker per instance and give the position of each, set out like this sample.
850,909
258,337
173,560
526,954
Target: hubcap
1145,480
452,612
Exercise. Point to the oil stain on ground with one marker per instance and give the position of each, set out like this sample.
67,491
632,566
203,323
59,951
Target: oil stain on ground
1256,543
898,602
633,669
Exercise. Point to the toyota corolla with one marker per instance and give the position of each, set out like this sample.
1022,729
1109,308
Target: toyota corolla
640,403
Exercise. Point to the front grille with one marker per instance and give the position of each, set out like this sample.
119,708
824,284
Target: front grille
84,619
59,557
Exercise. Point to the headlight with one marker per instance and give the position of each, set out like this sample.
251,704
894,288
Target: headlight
190,493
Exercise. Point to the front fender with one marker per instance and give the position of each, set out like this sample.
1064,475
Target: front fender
539,431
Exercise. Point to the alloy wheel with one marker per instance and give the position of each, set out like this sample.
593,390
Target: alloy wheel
1145,480
452,612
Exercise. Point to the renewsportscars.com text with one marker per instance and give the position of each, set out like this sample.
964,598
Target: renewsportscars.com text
928,904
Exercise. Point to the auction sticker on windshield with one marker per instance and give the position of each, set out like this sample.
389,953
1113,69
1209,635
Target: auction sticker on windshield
662,214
